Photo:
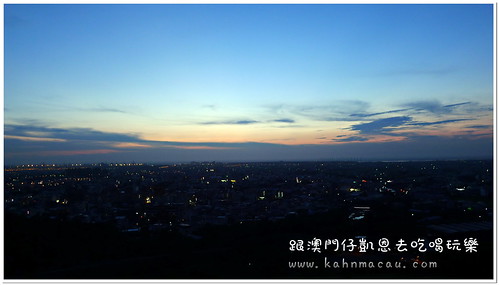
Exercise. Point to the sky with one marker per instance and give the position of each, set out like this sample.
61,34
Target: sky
258,82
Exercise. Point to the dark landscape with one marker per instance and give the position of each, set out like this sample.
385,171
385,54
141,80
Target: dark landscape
238,220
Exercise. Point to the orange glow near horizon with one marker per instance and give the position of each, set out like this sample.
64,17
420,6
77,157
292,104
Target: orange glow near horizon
131,145
240,134
306,133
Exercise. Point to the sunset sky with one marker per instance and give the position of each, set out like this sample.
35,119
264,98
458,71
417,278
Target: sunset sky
173,83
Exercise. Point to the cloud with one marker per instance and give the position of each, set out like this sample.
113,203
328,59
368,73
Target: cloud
355,110
212,107
244,122
34,139
479,127
67,134
352,139
26,122
101,109
283,121
386,126
75,152
130,145
333,111
240,122
433,106
248,122
437,123
95,150
381,126
380,113
457,104
430,106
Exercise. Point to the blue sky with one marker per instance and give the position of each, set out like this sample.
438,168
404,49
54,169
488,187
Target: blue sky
247,82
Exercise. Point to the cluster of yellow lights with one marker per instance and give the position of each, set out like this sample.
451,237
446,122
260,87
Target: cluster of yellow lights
62,202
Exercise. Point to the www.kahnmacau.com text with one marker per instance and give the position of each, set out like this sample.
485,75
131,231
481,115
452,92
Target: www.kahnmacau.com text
344,264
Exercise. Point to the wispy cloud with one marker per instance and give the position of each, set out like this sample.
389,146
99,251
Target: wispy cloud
433,106
239,122
457,104
76,152
386,126
61,147
212,107
381,126
54,104
67,134
106,110
26,122
34,139
248,122
355,110
334,111
379,113
437,123
131,145
352,139
479,127
283,121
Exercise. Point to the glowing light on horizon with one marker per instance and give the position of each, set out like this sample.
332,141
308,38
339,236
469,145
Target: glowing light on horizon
131,145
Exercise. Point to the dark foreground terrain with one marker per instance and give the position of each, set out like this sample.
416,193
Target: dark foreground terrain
313,213
47,249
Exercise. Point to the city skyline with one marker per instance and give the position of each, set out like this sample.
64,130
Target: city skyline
259,82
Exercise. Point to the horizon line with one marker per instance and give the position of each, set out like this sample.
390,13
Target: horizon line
136,163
